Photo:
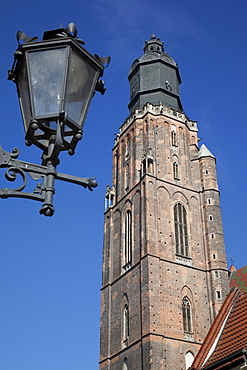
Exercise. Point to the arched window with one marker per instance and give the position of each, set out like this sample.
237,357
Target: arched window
128,239
187,319
125,323
150,165
147,165
189,358
181,231
125,364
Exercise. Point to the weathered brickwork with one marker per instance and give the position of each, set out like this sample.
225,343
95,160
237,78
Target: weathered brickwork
159,278
164,265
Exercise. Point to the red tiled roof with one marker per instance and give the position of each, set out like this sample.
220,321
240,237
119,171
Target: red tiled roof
233,338
236,359
234,335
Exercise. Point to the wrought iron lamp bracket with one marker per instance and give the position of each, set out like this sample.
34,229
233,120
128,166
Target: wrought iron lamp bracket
44,190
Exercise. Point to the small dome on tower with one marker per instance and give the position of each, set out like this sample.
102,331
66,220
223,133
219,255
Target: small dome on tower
154,45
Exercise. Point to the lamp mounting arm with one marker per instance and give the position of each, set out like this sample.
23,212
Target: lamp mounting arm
44,190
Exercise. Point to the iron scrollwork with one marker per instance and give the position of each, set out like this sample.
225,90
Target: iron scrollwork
44,190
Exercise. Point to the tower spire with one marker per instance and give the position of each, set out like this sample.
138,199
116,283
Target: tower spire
154,78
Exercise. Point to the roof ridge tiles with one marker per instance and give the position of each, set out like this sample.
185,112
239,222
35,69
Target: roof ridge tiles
231,322
215,329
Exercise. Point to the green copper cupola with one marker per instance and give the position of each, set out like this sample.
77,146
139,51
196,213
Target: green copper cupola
154,78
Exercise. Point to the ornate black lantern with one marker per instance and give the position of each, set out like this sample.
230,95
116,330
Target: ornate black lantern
56,79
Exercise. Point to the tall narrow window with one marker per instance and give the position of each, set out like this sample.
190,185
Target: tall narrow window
150,165
127,178
128,239
175,171
174,136
109,196
125,364
187,320
181,232
144,166
127,148
125,323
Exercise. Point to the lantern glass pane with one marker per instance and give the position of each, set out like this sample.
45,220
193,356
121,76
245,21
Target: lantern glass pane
47,68
80,87
24,97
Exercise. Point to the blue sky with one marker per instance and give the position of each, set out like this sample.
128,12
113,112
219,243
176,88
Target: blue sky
50,268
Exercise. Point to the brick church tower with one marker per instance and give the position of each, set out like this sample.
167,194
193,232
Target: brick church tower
164,265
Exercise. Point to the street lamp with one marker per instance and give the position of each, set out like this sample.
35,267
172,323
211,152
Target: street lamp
56,79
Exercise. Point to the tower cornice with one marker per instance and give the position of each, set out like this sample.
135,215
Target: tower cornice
156,110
